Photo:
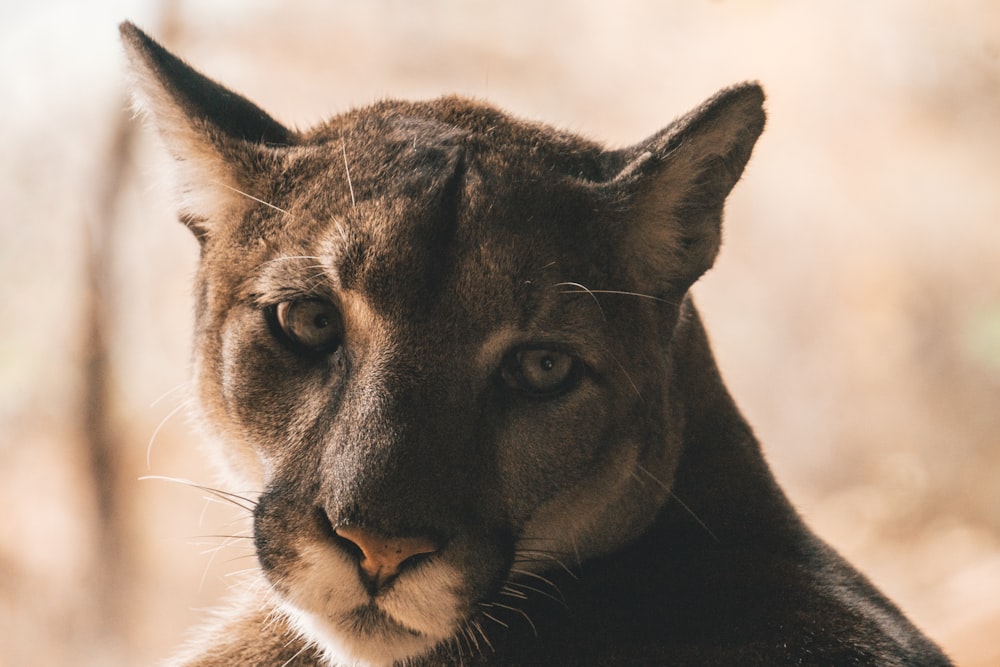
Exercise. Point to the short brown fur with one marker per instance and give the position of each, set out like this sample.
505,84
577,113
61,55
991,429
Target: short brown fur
455,353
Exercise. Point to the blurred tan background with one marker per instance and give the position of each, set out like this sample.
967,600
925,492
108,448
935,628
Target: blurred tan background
855,307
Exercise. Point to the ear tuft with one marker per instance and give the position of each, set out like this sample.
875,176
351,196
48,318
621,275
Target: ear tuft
211,131
677,182
165,82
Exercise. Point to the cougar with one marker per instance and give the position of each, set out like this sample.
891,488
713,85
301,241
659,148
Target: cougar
454,356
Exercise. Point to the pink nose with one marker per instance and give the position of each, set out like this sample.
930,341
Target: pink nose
382,557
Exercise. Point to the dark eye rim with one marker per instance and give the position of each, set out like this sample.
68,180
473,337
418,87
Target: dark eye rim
512,376
293,343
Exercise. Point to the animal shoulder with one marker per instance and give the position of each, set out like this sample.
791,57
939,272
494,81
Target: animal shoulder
455,355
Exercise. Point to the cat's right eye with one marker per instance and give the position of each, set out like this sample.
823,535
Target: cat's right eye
541,372
312,325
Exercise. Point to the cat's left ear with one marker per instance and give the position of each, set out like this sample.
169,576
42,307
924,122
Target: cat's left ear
215,135
674,184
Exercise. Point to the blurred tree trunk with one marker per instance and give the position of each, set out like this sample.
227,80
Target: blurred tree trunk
105,452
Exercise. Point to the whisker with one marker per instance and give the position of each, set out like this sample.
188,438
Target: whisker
156,431
456,642
313,281
482,633
219,500
273,617
225,496
510,592
532,557
297,654
494,618
246,556
612,291
583,289
344,237
526,538
259,201
238,573
241,520
576,546
347,169
527,573
208,565
219,541
215,548
544,556
696,517
169,392
470,637
626,374
286,258
560,599
521,612
679,501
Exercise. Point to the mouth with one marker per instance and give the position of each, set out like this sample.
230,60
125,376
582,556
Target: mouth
371,621
321,586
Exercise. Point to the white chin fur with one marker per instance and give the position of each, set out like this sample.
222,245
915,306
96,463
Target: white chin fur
320,603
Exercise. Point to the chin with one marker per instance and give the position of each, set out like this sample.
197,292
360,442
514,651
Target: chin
330,608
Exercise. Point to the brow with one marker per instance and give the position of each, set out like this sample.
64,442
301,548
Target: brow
289,276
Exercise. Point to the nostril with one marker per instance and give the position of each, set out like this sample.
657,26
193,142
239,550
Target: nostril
410,561
325,526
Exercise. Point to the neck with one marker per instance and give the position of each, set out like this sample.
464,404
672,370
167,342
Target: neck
723,487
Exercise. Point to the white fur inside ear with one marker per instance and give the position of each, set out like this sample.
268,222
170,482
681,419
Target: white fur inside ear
205,185
679,179
204,190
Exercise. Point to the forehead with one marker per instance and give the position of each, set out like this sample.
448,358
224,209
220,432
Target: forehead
478,261
429,213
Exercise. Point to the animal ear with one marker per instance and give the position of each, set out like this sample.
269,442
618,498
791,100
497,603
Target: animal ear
215,135
677,181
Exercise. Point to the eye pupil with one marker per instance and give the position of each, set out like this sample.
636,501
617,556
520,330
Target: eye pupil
540,372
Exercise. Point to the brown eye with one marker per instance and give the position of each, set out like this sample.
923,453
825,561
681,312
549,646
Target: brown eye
310,324
540,371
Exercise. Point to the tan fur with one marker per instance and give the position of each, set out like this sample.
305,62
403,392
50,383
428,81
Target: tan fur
457,347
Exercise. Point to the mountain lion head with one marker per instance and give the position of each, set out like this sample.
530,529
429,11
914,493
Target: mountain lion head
434,338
